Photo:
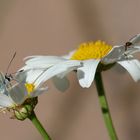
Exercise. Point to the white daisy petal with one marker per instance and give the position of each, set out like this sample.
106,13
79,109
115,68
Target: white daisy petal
29,76
138,47
135,39
114,55
41,57
5,101
39,92
133,67
18,93
43,61
132,50
57,69
32,56
61,84
68,56
33,75
86,73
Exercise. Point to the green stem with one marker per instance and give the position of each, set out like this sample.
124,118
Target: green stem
39,126
104,106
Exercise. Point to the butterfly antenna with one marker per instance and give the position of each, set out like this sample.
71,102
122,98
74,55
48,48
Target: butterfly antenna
10,63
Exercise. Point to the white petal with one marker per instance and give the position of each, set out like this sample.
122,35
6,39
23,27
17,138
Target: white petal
5,101
114,55
18,93
29,59
43,61
86,73
132,49
38,92
29,76
32,75
138,47
135,40
61,84
68,56
133,67
57,69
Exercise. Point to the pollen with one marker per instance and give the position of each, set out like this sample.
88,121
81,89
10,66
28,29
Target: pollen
91,50
30,87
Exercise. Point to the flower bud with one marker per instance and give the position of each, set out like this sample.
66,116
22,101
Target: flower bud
25,110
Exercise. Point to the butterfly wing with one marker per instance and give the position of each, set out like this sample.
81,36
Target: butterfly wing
2,83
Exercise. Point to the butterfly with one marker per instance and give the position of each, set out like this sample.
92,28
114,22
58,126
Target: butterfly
6,78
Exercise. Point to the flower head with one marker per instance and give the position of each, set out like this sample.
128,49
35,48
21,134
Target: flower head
91,50
14,97
85,60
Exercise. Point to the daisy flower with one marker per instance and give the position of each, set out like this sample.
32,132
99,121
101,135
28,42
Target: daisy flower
14,96
85,60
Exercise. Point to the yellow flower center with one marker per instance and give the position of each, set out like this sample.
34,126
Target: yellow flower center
30,87
91,50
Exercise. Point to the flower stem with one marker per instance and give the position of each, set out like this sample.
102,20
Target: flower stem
104,106
39,126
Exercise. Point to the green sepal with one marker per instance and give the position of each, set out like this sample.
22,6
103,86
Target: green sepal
25,110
